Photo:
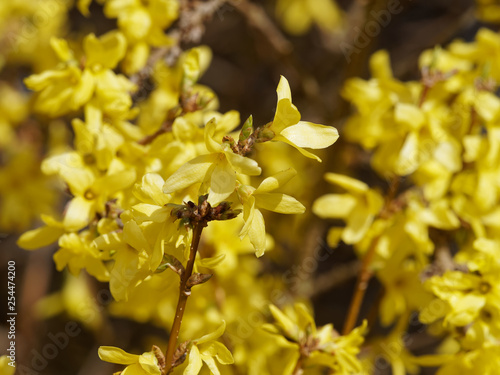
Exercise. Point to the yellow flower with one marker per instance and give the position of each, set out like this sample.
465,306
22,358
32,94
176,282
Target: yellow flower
132,255
91,190
206,349
217,170
264,197
288,128
70,87
298,16
321,347
357,208
43,236
141,22
144,364
76,251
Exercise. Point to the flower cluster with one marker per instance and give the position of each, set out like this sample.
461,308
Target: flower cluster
132,166
436,141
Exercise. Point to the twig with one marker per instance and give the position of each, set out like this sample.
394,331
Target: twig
257,18
184,293
361,285
298,367
366,272
190,29
335,277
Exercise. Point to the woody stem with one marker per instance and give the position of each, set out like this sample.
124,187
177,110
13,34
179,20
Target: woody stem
366,272
184,293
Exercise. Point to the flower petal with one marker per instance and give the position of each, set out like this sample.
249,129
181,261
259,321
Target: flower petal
348,183
283,89
242,164
333,206
78,213
276,181
306,153
149,363
194,171
257,233
280,203
116,355
212,336
195,363
39,237
222,183
286,115
309,135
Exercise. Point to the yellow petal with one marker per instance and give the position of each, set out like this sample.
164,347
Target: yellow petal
78,213
132,234
222,183
334,206
409,155
243,164
150,190
106,51
211,144
195,363
286,115
309,135
409,115
276,181
283,89
115,182
380,65
190,173
116,355
39,237
358,224
280,203
212,336
149,363
257,233
223,355
306,153
61,48
284,322
348,183
210,362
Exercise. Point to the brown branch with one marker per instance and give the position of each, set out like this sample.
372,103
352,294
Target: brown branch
366,272
190,29
257,18
184,292
361,285
298,367
335,277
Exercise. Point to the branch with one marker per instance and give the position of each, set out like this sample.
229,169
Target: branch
184,293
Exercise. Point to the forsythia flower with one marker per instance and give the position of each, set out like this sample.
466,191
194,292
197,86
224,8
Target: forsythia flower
91,191
70,87
206,349
298,16
76,251
144,364
358,207
321,347
217,169
264,197
287,127
142,23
